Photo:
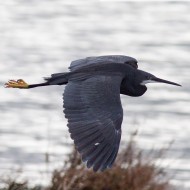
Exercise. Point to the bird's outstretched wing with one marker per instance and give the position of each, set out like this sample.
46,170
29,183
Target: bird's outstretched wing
102,60
94,112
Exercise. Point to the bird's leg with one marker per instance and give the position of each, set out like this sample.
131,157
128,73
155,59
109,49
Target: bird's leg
23,85
16,84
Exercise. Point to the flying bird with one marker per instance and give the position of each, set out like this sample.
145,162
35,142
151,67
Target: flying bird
92,102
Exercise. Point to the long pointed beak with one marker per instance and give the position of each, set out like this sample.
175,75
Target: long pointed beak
164,81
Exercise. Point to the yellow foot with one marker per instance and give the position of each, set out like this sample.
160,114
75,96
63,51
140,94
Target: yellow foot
16,84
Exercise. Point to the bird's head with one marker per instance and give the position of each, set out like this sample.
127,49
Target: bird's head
144,78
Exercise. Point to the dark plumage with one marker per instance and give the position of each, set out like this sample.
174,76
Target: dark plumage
92,103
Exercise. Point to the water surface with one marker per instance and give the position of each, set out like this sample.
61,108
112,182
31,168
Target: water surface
42,37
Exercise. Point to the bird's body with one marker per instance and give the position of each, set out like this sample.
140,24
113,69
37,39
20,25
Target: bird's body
92,102
107,66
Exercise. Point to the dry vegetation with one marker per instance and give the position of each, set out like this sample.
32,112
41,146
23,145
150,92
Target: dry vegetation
132,171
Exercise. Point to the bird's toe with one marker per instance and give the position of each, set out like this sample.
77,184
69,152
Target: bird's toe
16,84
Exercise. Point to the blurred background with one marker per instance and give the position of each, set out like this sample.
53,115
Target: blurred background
38,38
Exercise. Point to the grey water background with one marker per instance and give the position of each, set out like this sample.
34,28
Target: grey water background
38,38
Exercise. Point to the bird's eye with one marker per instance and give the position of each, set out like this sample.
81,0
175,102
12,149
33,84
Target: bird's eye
148,77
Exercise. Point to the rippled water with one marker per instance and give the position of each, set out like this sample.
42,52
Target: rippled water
38,38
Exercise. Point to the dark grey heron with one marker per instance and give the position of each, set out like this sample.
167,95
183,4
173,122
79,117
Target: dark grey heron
92,102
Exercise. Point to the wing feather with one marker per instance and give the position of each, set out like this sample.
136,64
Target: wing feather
94,112
103,59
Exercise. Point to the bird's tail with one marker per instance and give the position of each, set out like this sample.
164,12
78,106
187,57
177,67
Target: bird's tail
57,79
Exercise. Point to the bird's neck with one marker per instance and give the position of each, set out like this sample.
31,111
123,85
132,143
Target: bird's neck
140,90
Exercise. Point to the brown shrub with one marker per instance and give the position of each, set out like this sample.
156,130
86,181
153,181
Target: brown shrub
131,171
